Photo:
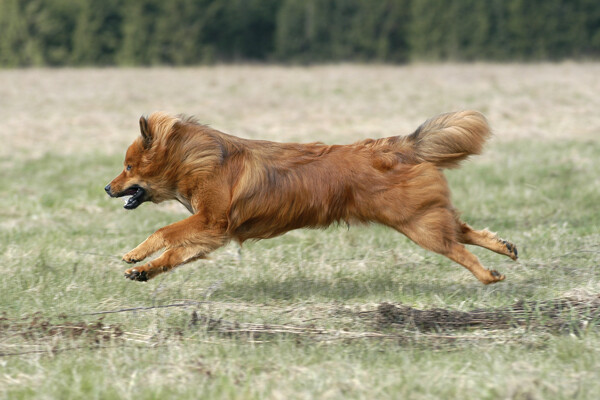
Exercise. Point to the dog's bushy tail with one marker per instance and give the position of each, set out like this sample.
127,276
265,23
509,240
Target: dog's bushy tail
448,139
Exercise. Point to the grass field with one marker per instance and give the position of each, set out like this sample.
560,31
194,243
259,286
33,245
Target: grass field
311,314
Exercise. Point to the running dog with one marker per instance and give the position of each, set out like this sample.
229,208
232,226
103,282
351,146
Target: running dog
240,189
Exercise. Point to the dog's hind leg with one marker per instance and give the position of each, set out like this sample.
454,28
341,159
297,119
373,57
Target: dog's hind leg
486,239
436,230
458,253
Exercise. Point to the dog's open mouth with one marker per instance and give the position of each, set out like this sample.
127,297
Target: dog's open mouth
138,196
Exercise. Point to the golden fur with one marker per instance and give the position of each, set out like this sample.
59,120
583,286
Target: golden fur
244,189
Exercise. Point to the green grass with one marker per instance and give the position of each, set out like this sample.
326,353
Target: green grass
61,239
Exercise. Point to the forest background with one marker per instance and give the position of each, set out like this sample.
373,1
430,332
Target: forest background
191,32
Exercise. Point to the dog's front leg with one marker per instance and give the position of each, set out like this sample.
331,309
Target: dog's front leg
173,257
179,233
154,243
186,240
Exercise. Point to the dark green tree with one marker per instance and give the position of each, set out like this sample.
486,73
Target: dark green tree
187,32
97,35
139,46
179,33
13,34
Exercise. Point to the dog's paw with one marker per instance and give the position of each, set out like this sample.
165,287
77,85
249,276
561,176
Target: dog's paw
132,257
136,275
512,250
495,276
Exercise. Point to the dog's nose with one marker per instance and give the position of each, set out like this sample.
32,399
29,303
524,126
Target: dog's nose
107,189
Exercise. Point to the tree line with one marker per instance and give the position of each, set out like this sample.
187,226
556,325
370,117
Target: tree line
187,32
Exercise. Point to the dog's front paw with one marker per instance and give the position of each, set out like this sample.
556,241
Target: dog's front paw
512,250
494,276
136,274
132,257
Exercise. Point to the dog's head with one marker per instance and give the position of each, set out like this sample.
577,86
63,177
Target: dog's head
145,173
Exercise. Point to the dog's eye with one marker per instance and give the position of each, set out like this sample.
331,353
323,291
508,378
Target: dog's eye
128,167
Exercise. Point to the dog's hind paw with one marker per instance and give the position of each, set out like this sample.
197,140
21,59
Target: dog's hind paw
136,275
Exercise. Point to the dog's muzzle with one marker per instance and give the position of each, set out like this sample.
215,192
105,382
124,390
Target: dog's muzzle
137,193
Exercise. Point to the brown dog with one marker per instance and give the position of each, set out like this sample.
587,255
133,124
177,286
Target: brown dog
249,189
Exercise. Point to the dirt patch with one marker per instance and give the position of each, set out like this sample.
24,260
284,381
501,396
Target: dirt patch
558,314
37,328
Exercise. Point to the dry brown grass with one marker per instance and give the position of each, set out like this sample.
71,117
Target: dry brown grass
70,109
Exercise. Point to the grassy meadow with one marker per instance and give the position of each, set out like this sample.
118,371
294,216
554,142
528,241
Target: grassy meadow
299,316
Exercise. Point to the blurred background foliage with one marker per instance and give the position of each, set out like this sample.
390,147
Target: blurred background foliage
187,32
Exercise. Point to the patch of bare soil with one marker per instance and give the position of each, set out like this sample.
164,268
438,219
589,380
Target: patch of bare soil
37,327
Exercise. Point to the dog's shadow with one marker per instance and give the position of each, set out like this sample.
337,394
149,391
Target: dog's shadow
360,288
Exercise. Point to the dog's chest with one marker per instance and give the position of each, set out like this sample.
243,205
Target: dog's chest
185,202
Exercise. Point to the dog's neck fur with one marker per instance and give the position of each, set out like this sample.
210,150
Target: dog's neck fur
185,201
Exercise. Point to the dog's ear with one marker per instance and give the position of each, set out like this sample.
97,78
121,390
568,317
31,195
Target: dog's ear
145,131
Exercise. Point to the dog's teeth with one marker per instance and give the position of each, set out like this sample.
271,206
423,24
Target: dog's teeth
127,199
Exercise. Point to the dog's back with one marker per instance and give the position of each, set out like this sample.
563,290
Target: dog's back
289,186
